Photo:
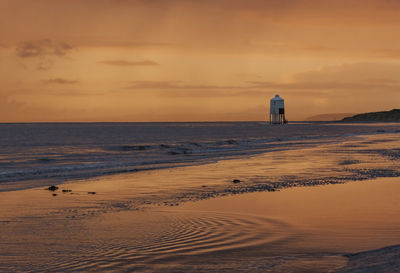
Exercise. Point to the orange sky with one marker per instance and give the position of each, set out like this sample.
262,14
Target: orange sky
184,60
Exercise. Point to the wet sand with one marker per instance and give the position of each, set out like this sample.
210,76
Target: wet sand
303,210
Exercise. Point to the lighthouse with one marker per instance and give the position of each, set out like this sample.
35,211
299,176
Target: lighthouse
277,110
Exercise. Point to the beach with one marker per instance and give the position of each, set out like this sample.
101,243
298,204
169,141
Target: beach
324,204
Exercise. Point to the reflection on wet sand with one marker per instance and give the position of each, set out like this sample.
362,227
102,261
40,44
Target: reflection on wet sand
347,218
147,222
145,239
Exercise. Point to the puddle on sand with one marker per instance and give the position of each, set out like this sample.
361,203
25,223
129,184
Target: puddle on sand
130,240
295,230
351,217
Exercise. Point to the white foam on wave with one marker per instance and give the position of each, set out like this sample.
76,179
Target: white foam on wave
89,150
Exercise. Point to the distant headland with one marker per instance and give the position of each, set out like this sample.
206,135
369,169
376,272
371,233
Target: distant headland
329,117
384,116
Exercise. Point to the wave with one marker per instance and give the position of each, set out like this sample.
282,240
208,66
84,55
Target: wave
101,153
132,158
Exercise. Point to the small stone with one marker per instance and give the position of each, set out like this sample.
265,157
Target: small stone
66,190
44,160
236,181
54,194
164,146
52,188
91,192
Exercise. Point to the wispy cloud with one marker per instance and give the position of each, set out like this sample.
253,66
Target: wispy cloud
351,77
358,78
175,85
129,63
41,48
59,81
327,85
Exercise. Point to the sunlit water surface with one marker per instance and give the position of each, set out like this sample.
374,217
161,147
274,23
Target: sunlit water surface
294,210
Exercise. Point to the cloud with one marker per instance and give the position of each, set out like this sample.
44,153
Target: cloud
354,77
59,81
42,54
42,48
175,85
170,89
327,85
44,64
362,80
129,63
267,27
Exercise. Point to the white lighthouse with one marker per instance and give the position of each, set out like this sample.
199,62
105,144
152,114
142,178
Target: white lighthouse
277,111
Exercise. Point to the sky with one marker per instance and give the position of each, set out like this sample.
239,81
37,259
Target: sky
191,60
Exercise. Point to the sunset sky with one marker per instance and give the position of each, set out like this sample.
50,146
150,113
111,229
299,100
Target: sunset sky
208,60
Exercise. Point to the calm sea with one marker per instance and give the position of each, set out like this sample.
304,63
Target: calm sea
37,154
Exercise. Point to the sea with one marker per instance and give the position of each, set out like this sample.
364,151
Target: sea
38,154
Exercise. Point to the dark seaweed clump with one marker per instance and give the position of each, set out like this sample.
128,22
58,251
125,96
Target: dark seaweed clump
135,147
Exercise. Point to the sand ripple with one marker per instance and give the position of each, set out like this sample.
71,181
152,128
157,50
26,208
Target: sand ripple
177,235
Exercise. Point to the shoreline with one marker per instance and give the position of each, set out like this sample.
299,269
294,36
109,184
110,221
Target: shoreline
255,207
386,259
143,156
352,159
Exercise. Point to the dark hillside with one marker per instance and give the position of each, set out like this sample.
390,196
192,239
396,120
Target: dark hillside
384,116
